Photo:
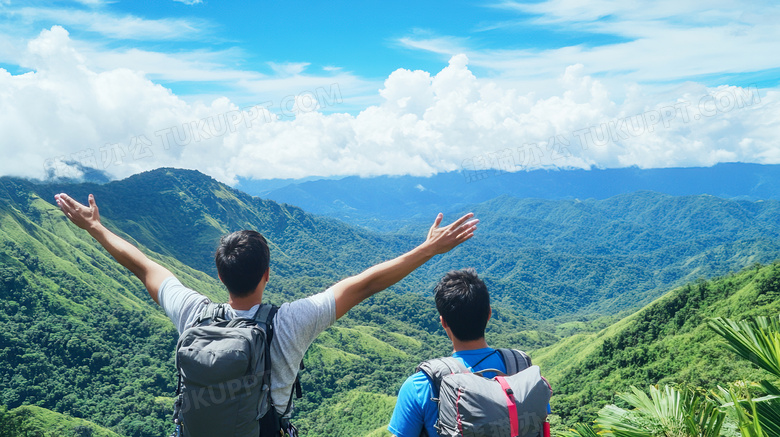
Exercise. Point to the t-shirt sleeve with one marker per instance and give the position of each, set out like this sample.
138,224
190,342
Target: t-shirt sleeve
296,326
411,411
180,303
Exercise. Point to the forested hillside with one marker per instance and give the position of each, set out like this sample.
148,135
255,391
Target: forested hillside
79,335
666,342
604,256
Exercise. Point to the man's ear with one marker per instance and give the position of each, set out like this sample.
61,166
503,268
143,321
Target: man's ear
267,274
443,323
490,312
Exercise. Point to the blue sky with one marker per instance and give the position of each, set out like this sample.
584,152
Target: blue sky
341,88
275,39
362,37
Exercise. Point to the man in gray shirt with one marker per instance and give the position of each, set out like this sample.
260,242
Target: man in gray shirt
242,263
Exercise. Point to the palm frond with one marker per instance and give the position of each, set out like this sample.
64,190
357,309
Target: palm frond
756,340
768,409
665,412
743,410
615,421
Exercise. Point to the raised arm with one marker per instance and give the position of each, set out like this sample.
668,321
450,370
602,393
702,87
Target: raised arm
88,218
353,290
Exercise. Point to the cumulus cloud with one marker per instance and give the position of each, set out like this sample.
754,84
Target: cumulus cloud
65,116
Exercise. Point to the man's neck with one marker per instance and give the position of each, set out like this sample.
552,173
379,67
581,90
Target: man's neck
246,302
459,346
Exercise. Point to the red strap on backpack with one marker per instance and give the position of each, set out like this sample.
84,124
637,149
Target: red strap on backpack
514,424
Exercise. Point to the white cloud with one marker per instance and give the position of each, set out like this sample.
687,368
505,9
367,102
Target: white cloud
94,2
122,27
118,120
193,66
289,69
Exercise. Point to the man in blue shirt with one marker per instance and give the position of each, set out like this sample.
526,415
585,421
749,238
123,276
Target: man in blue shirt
463,303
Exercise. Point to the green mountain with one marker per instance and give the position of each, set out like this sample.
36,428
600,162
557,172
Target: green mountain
79,336
183,214
544,257
667,341
604,256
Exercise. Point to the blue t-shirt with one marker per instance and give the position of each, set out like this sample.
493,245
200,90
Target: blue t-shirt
415,409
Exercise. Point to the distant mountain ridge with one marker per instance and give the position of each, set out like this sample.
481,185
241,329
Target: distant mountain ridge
367,201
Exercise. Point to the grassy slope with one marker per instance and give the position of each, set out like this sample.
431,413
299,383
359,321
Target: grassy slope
357,413
36,421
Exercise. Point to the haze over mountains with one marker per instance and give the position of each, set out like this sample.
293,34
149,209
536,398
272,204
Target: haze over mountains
81,337
373,201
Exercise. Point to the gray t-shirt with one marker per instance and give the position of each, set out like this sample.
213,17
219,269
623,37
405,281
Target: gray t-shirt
296,325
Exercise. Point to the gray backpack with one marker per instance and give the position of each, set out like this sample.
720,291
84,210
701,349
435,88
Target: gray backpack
513,404
225,375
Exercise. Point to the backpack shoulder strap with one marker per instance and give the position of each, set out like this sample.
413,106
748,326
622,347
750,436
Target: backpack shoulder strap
265,315
515,360
438,368
213,311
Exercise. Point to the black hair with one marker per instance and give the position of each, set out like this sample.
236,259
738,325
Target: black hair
463,301
242,259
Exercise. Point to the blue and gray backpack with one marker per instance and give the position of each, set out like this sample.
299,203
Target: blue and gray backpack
515,403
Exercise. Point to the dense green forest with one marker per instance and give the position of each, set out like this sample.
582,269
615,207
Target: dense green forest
80,337
603,256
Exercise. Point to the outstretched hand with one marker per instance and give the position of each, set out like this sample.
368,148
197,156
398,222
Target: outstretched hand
353,290
88,218
444,239
85,217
